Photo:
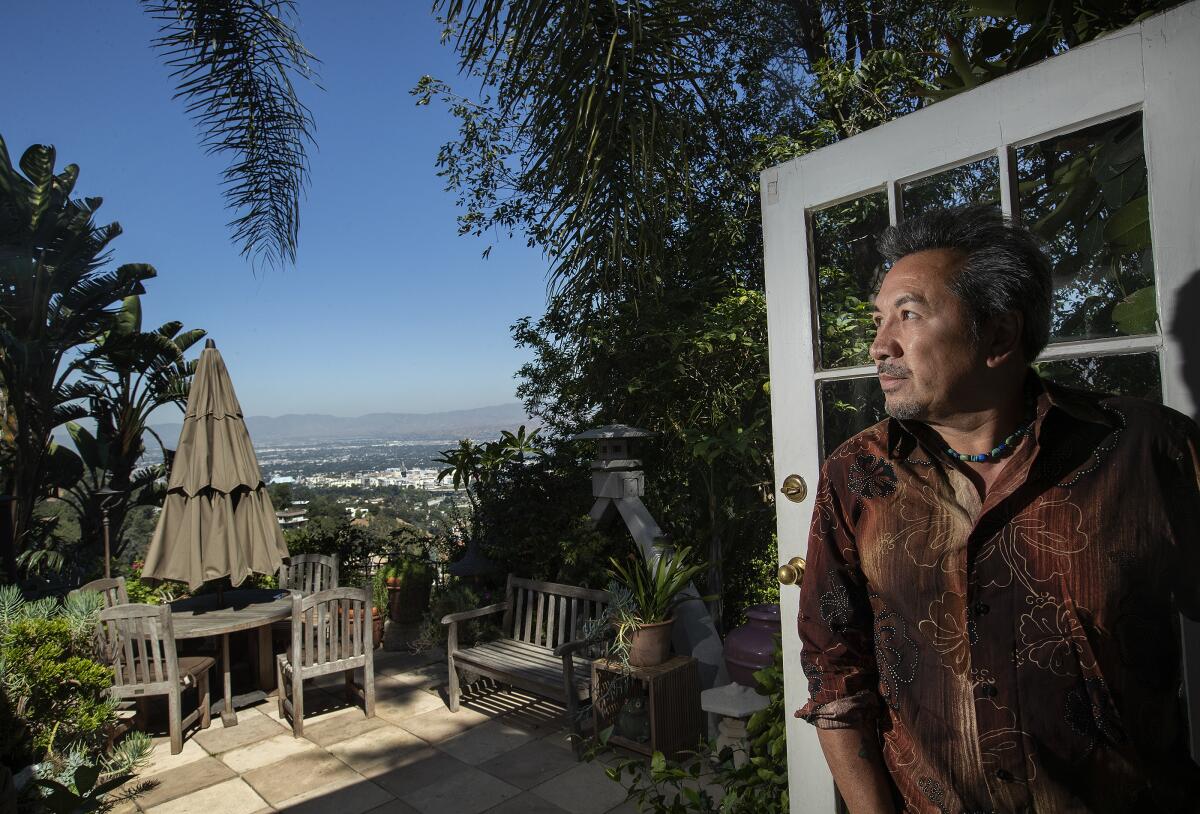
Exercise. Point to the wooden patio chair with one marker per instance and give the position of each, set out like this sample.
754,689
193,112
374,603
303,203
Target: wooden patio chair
309,573
112,589
331,633
141,644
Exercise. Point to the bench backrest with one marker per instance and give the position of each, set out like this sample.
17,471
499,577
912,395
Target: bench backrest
548,613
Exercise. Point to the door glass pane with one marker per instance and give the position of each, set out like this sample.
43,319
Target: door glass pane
974,183
848,406
1133,374
1085,194
848,272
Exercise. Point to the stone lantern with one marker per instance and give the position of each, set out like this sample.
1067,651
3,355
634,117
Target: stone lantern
618,484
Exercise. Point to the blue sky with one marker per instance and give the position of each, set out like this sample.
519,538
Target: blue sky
387,308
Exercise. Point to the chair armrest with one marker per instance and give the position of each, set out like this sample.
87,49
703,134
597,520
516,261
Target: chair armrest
472,614
567,648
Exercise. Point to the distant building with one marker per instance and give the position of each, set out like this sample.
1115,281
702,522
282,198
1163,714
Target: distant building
291,517
282,479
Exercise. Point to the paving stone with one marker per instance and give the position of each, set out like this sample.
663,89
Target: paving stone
406,702
264,753
486,741
345,797
585,789
625,808
530,764
328,731
433,675
231,797
298,775
161,759
391,662
394,807
252,726
193,776
527,803
424,767
469,792
439,724
389,745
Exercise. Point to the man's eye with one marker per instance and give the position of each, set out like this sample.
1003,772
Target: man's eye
908,315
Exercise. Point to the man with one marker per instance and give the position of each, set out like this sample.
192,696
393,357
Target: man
989,617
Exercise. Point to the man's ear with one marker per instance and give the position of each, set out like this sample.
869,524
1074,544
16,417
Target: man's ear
1002,339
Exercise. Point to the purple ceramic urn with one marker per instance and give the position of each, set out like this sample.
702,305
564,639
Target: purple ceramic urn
751,647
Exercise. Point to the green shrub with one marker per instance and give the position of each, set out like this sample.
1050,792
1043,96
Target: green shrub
759,786
63,695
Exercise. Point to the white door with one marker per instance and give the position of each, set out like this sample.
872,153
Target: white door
1097,147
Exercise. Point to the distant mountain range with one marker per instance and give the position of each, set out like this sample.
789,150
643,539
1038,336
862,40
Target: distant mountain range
479,423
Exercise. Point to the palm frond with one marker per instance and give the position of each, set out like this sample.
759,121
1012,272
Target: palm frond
234,61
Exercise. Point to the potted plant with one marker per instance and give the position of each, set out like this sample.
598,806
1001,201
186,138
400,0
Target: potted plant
645,596
409,582
379,601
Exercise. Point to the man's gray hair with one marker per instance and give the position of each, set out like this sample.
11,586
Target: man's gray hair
1003,268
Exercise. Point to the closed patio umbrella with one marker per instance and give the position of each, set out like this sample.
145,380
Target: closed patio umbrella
217,520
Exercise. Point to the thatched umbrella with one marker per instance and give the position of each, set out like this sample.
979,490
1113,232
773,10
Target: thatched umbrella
217,520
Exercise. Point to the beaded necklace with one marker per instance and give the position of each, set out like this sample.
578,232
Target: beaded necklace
1004,446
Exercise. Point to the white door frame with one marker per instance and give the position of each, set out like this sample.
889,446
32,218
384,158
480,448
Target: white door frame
1153,67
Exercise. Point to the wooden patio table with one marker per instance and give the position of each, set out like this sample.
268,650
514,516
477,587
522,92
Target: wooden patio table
242,610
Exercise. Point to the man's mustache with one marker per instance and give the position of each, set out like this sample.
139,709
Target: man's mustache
895,371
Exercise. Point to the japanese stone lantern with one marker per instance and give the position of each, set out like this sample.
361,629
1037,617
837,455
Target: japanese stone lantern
618,484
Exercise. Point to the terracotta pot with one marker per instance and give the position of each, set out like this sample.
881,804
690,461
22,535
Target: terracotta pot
409,599
751,647
376,626
650,645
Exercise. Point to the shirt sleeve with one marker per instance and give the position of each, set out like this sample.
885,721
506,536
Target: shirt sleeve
1184,512
836,621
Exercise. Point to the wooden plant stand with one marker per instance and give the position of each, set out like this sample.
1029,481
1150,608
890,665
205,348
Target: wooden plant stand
672,693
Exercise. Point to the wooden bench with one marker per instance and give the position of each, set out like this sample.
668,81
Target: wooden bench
543,626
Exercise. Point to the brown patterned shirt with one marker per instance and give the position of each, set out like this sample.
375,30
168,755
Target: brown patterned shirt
1022,654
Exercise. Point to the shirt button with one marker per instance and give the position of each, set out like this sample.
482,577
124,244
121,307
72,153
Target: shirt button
1003,775
981,609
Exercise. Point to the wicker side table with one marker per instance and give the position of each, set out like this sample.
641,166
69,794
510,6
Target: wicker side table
671,695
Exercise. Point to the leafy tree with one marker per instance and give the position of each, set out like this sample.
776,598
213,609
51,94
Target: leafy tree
57,297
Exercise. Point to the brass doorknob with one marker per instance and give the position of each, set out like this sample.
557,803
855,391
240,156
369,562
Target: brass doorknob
791,572
794,488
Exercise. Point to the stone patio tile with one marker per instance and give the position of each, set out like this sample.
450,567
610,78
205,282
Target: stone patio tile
422,768
327,731
432,675
264,753
584,789
343,796
389,745
393,662
527,803
161,759
252,726
193,776
298,775
231,797
629,807
402,703
439,724
531,764
486,741
394,807
469,792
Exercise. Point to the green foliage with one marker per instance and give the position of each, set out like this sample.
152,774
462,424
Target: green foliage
531,519
758,786
356,547
656,588
55,694
457,596
57,295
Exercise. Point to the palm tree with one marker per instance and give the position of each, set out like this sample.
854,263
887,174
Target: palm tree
56,298
234,61
130,375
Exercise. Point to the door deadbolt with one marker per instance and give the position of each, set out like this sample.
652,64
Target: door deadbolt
794,488
791,572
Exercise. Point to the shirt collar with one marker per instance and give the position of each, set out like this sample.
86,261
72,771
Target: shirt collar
1077,404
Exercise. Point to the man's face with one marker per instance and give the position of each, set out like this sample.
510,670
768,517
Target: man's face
923,347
